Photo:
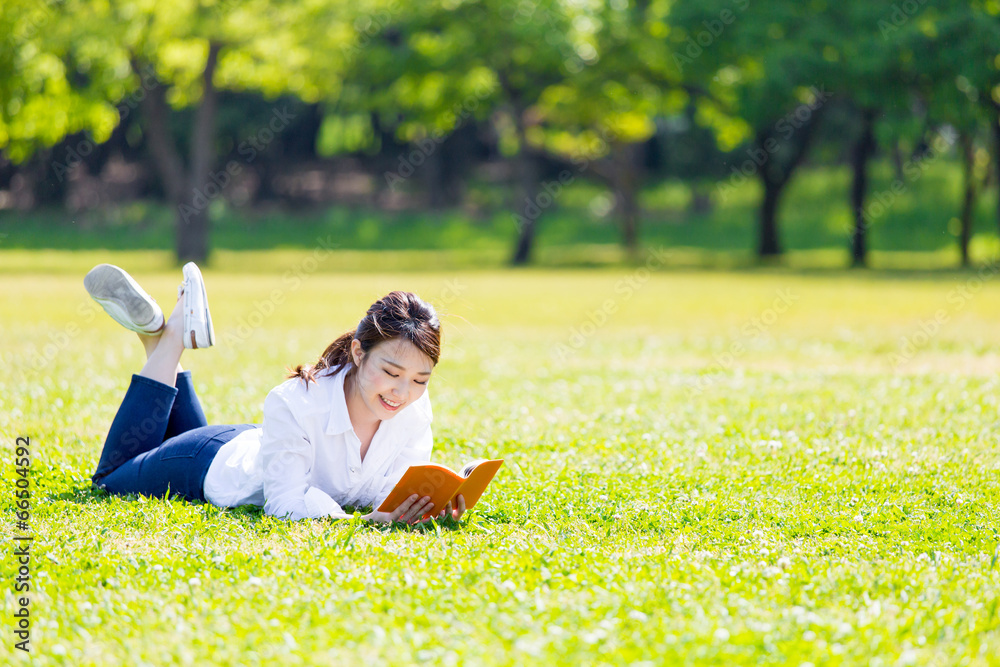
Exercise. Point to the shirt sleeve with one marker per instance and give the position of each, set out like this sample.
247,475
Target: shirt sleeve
287,457
417,451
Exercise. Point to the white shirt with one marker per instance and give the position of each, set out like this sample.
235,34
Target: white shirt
305,461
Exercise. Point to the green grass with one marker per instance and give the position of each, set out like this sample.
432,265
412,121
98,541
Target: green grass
918,230
807,499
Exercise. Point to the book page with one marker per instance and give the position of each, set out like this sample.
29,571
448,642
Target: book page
477,482
470,466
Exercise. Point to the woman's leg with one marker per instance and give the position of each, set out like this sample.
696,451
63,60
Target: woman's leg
143,420
139,425
178,466
164,349
186,413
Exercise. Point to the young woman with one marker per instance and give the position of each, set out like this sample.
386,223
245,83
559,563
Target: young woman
339,432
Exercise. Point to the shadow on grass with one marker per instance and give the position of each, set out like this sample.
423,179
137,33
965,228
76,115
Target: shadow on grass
250,515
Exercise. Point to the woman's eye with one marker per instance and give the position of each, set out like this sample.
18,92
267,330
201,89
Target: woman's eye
396,376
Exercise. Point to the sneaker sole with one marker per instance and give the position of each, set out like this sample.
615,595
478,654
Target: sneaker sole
123,299
193,280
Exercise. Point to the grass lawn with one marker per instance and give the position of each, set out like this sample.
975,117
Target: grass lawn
745,467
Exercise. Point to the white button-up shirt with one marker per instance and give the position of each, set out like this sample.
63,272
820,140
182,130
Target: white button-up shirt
305,461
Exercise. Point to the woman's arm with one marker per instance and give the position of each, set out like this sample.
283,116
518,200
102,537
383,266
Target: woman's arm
287,456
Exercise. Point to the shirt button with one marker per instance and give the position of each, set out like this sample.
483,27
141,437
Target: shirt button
353,469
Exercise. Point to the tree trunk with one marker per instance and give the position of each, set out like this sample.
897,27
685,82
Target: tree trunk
776,174
863,149
768,245
166,158
968,195
996,158
187,191
192,212
526,208
626,183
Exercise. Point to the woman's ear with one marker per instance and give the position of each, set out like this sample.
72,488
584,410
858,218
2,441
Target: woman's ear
356,352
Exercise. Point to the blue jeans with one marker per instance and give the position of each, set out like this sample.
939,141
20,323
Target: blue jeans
160,443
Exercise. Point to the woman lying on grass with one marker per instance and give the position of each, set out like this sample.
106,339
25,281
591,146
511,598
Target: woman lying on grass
340,432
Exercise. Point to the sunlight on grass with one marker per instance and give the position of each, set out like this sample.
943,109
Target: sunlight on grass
724,468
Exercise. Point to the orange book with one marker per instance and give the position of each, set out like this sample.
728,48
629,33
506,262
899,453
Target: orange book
442,484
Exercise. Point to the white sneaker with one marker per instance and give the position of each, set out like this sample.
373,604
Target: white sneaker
122,298
198,331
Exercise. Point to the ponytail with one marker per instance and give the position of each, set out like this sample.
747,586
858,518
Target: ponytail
334,357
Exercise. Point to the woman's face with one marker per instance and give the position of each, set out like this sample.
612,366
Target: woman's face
391,375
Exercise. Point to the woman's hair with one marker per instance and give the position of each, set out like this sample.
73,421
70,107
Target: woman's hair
398,314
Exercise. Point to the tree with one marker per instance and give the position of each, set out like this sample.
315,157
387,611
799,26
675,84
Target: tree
161,58
41,96
599,118
868,68
761,72
573,83
957,74
435,65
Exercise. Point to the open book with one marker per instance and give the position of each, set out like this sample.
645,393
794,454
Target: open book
442,484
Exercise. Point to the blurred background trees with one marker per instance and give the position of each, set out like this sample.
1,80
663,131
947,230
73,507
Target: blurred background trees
389,105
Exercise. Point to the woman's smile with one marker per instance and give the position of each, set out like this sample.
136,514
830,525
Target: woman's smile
391,406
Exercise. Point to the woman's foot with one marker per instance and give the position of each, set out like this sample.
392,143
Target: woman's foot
122,298
198,331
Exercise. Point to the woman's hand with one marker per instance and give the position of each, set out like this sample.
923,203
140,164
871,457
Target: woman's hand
455,514
408,511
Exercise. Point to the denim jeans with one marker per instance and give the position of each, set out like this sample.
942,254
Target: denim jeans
159,443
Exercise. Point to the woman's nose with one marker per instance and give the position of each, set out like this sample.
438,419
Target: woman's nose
400,392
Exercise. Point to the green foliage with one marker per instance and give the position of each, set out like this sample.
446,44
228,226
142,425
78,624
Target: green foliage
66,69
